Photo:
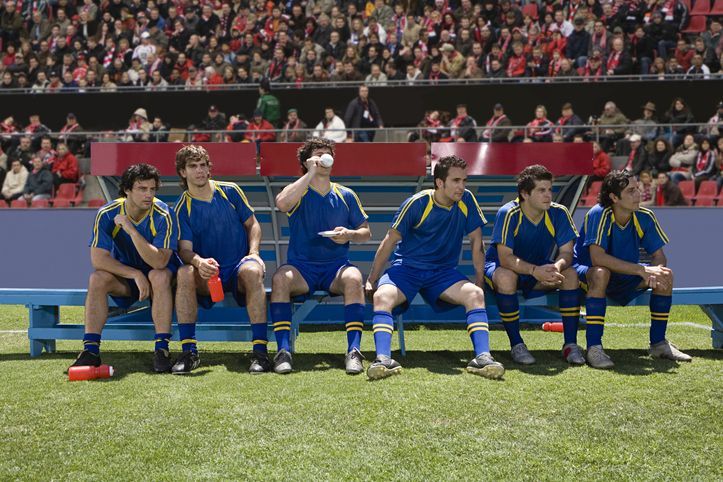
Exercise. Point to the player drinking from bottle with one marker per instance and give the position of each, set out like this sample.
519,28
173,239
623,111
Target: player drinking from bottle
219,235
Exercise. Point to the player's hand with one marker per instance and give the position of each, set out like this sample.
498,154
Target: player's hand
342,238
207,267
370,287
312,164
548,274
144,287
657,276
125,223
257,258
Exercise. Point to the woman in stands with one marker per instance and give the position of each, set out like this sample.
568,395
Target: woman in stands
540,128
683,159
706,164
679,113
660,157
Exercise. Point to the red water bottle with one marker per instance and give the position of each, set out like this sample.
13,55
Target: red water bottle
215,287
552,326
89,373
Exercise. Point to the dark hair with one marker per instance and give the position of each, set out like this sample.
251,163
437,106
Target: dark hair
441,169
188,154
312,144
613,183
526,179
137,172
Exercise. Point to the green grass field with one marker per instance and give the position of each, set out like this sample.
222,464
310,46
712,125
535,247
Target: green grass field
645,420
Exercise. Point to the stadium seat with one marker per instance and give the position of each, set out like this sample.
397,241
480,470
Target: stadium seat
66,191
96,203
717,9
708,191
706,201
3,204
19,203
687,4
696,25
61,203
40,203
590,198
701,7
687,188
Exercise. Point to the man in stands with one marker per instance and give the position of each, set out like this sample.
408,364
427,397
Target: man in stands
132,253
607,260
39,184
427,233
219,236
65,167
463,127
23,153
14,182
362,112
324,217
494,131
527,233
331,126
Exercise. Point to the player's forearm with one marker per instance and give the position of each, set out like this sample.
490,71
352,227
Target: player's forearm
107,263
291,194
616,265
516,264
189,257
380,258
563,261
254,238
154,257
360,235
658,259
478,255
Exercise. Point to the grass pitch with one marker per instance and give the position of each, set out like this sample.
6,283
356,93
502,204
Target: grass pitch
646,419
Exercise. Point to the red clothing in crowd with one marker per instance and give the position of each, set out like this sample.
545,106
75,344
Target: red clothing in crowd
252,135
66,167
516,66
600,164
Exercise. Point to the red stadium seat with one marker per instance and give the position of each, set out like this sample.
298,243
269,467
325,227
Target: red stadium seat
40,203
706,201
688,189
531,10
96,203
696,25
590,199
19,203
3,204
61,203
65,191
701,7
686,3
717,9
707,190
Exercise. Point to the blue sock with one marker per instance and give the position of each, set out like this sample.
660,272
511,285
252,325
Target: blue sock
91,342
659,313
595,319
281,318
570,311
260,337
478,330
354,319
187,333
162,340
383,324
510,313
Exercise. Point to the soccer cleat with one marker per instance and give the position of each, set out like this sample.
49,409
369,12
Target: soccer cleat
667,350
383,367
87,359
353,362
572,353
521,355
597,358
486,366
282,362
162,361
187,362
260,363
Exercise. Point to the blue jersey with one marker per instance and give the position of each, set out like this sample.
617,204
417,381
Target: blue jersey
216,227
157,227
316,212
432,234
623,242
534,243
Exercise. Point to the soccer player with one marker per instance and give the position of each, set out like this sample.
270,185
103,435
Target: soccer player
132,252
427,231
607,260
314,205
528,232
219,235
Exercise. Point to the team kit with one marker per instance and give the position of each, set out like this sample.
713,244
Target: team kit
143,249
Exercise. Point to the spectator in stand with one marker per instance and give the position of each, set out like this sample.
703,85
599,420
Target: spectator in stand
138,127
698,70
706,163
684,54
660,157
679,115
159,131
236,129
646,126
8,134
600,163
36,130
429,129
516,62
268,104
662,34
65,167
376,77
452,62
683,159
463,128
68,136
647,189
540,128
619,61
667,193
715,125
719,155
578,43
569,118
3,167
643,50
14,182
362,113
39,184
495,128
214,121
23,153
610,118
594,67
259,129
331,127
291,131
638,157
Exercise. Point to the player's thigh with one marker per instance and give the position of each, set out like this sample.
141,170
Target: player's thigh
348,278
505,280
387,297
201,284
250,273
288,279
112,284
463,293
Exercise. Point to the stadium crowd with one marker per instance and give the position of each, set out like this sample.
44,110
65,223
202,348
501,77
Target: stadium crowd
73,45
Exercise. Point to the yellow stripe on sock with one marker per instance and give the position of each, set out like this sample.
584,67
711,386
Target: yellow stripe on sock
479,328
282,323
595,322
385,330
653,313
260,342
188,340
354,329
511,313
96,343
282,328
477,323
354,323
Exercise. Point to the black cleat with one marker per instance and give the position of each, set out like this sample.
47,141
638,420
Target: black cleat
383,367
87,359
162,361
282,362
188,361
486,366
260,363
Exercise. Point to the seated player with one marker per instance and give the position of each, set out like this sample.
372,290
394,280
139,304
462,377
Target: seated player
132,253
427,232
527,233
314,204
607,260
219,235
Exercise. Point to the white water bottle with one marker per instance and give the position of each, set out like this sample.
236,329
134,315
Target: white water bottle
326,160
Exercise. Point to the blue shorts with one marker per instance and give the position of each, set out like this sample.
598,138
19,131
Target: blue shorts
319,276
429,283
622,288
229,279
525,282
125,302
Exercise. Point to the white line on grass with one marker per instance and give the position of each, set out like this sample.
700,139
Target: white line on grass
647,325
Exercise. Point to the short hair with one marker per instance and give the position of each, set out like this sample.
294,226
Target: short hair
312,144
613,183
188,154
441,169
138,172
526,179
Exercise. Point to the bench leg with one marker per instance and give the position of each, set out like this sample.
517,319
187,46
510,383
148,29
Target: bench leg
298,316
42,317
715,313
400,329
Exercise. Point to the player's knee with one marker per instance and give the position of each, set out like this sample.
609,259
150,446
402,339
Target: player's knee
383,299
186,277
251,273
352,279
474,296
99,281
281,282
159,278
571,277
597,275
505,280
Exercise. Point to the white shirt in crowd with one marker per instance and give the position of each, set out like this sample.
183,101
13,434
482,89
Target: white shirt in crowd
334,131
